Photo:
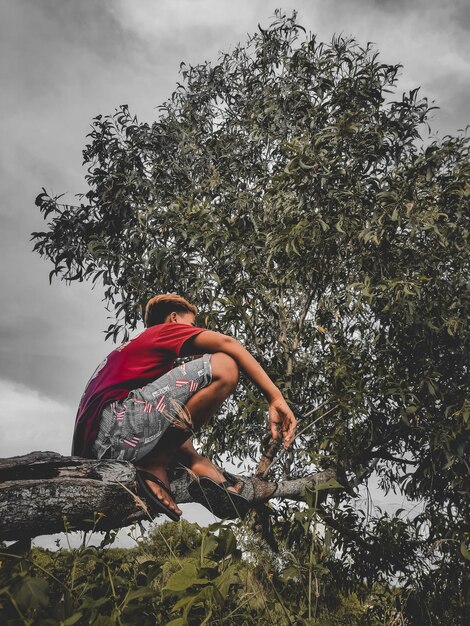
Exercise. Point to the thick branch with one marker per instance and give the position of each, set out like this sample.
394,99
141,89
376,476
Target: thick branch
44,493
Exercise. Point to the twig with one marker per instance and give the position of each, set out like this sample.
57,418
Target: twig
271,456
268,457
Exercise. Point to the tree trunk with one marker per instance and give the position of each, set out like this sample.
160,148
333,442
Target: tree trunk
43,493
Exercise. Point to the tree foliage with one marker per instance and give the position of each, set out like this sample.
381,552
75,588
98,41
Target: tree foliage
305,208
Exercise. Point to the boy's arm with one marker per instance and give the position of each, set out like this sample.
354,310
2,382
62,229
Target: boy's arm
280,415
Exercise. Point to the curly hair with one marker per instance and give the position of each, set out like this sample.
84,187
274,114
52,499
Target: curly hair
160,306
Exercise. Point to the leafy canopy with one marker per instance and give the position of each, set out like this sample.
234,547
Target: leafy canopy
301,205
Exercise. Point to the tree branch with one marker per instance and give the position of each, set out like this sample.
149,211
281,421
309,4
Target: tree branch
303,318
43,493
386,456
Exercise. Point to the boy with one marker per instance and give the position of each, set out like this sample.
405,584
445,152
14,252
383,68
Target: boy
138,407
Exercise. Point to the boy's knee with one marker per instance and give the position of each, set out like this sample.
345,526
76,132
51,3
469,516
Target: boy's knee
225,369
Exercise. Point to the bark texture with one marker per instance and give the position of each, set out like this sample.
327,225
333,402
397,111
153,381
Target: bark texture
43,493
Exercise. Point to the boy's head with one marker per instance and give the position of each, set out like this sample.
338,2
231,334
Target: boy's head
168,307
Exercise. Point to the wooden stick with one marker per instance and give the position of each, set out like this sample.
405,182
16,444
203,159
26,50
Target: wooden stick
272,451
268,457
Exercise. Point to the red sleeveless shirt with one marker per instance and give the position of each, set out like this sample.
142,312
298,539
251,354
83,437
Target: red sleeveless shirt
134,364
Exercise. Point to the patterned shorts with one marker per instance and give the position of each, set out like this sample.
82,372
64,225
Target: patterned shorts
131,428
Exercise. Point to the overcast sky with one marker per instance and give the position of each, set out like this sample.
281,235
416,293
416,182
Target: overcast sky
65,61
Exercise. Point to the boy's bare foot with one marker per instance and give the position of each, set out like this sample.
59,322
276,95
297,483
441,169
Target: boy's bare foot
161,473
202,466
199,465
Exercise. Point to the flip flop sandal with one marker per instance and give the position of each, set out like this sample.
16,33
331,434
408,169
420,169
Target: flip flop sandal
156,504
217,499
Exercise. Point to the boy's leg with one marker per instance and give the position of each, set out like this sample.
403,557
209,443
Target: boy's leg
198,464
201,407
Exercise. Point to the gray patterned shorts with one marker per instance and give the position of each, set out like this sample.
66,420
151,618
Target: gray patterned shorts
131,428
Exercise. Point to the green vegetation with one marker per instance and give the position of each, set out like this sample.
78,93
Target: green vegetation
303,207
184,574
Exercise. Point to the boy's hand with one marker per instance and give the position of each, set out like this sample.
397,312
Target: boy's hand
282,419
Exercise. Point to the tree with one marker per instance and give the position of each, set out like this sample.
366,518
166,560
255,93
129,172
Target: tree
305,210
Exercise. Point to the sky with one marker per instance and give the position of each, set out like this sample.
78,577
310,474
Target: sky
62,62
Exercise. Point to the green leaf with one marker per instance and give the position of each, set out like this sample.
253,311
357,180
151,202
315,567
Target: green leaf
209,545
89,602
200,598
73,619
226,580
464,550
290,573
227,542
143,592
405,420
32,593
184,579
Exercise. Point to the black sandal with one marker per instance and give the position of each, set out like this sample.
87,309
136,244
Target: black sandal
156,503
218,499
